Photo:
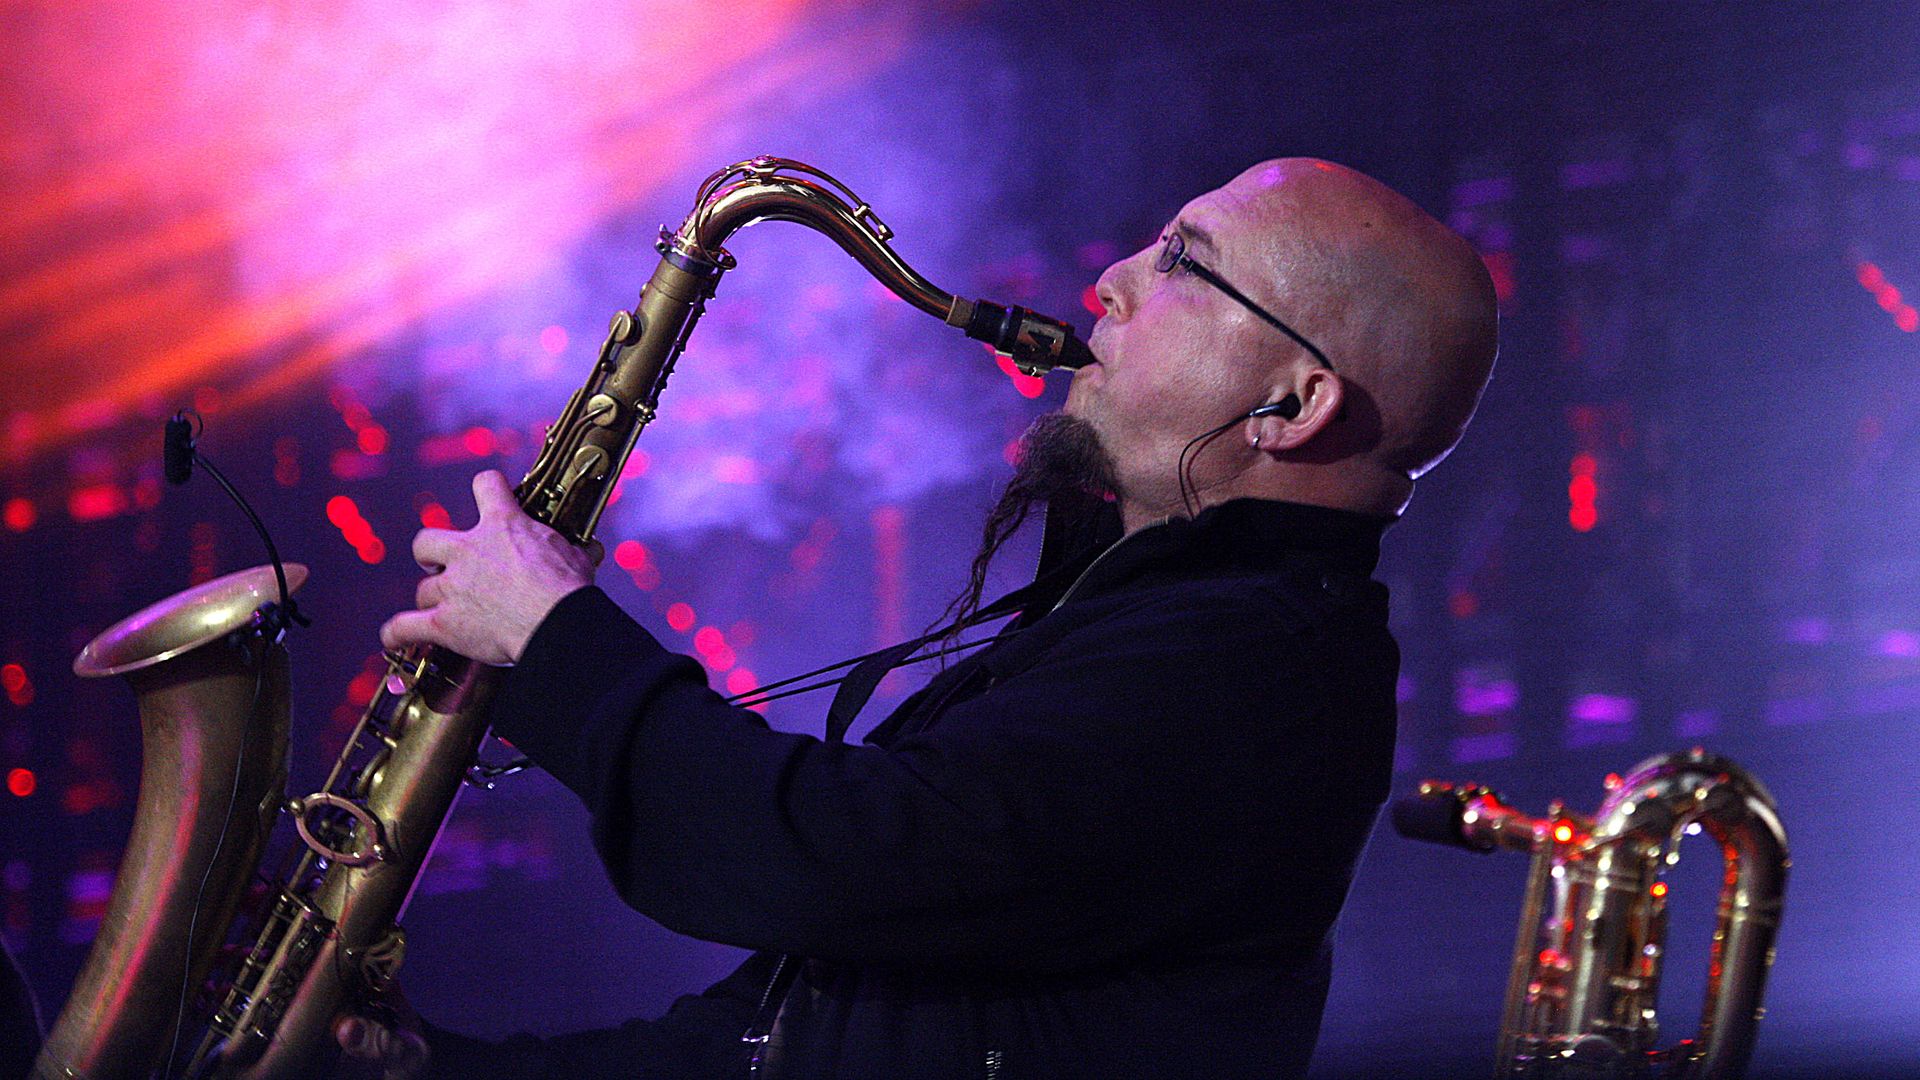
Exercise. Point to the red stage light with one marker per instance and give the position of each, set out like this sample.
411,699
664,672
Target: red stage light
364,685
1090,299
712,646
1887,296
630,555
19,514
680,616
741,681
345,516
1562,832
16,685
95,502
435,516
341,511
1583,493
479,441
21,782
1659,889
372,439
1029,386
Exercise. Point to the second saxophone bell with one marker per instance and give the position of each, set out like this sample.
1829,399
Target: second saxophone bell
1586,963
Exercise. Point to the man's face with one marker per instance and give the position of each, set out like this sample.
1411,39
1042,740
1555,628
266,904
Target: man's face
1177,357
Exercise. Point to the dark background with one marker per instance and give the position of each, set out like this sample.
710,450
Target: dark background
1695,213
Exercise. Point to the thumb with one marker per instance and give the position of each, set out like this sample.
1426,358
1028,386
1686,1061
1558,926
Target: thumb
351,1033
493,495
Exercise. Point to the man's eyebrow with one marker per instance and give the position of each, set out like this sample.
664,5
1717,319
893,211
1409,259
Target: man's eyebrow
1196,236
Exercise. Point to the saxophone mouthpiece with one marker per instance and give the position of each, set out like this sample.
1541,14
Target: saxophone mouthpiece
1034,342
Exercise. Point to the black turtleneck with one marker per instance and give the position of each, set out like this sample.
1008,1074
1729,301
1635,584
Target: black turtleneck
1113,844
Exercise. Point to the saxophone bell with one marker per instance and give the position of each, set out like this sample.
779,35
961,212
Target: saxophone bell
210,676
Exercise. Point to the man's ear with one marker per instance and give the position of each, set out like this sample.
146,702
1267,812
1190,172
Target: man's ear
1321,398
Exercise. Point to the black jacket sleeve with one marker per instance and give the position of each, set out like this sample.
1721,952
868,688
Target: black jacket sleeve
1114,793
698,1036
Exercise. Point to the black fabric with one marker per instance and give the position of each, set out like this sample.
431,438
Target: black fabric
1113,845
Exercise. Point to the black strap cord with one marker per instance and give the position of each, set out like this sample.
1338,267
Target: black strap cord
866,670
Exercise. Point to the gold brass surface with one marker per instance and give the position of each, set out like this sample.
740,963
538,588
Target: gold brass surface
186,620
212,695
1586,967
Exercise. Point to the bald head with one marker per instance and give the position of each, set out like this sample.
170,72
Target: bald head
1189,358
1401,304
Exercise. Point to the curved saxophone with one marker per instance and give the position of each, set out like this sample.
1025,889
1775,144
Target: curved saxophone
331,939
1586,963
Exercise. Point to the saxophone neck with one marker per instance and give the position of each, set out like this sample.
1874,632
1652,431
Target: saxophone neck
779,189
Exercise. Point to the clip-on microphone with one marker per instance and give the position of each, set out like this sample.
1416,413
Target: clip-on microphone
180,457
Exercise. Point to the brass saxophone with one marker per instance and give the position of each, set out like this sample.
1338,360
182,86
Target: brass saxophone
331,939
1586,962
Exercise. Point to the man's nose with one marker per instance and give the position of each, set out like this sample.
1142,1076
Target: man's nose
1108,290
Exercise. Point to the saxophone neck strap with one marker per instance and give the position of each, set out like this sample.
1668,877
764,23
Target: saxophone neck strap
858,685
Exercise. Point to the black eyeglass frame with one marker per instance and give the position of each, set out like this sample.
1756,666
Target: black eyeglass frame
1173,252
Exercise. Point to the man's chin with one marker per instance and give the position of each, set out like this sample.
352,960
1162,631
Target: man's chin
1062,455
1077,392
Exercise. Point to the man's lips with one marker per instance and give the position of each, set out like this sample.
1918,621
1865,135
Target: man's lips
1095,345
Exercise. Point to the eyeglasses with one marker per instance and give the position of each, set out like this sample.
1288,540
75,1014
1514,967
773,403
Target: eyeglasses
1173,252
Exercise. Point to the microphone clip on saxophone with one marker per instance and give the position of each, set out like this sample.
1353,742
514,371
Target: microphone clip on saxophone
181,453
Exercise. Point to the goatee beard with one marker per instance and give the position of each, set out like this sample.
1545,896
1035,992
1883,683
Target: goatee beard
1060,461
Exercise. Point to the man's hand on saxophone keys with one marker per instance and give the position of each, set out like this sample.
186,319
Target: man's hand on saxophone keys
489,587
389,1048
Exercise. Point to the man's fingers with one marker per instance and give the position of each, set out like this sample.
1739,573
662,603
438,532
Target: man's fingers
427,593
350,1032
492,494
410,628
433,548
